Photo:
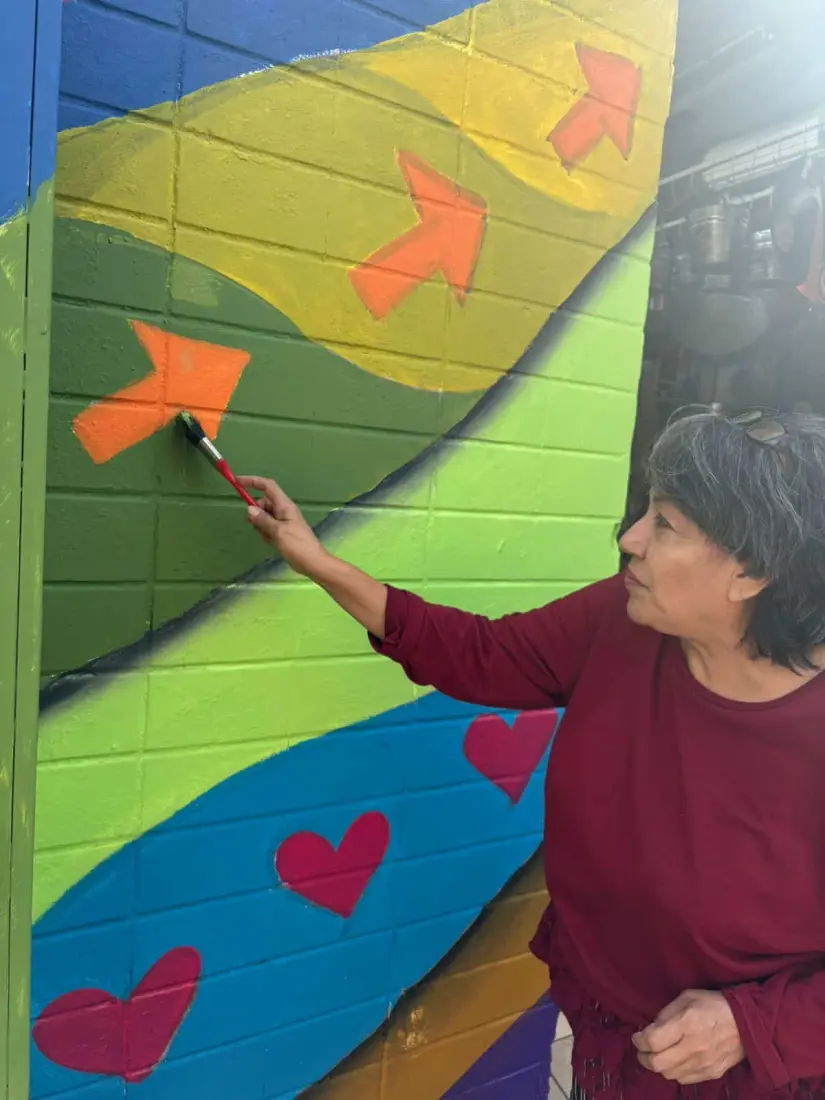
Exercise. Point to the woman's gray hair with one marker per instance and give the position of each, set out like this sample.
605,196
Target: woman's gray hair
764,504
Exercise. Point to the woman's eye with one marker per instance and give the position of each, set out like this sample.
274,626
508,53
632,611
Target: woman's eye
660,521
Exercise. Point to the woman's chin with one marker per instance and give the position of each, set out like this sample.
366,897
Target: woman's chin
638,610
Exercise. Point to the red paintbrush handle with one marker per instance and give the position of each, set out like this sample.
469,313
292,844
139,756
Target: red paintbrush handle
223,469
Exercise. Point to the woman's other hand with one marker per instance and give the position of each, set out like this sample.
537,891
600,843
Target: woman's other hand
694,1039
279,522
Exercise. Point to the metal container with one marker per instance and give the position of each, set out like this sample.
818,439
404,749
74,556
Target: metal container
712,230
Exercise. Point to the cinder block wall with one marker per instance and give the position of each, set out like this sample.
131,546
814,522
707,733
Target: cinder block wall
395,255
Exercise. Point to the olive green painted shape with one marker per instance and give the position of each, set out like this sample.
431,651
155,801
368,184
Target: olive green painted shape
25,282
138,540
522,508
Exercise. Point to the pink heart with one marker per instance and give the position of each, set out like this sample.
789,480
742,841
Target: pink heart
508,755
334,878
92,1031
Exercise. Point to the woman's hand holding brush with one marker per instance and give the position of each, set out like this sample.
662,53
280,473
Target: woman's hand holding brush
279,521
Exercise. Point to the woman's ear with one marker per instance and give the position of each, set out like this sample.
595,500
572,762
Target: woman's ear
745,587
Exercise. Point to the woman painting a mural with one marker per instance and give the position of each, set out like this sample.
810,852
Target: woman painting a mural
685,823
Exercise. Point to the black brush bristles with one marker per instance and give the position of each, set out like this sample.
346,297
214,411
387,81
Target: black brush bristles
194,432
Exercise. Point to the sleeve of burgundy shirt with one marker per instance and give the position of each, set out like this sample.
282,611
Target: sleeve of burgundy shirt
523,661
782,1025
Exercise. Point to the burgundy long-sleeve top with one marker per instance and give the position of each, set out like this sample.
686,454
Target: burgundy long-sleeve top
684,833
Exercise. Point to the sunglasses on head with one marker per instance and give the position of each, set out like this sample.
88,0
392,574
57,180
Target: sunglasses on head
760,426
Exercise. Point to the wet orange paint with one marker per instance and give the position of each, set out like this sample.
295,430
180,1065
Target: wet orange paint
187,374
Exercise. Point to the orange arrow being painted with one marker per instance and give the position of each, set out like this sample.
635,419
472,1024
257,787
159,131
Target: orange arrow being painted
448,238
607,110
187,374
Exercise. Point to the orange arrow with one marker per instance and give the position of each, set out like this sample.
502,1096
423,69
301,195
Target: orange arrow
187,374
448,238
607,110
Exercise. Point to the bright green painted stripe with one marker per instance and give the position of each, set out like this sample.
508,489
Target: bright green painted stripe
117,761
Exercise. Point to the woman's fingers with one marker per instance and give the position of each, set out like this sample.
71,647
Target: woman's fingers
264,523
274,499
264,485
253,482
693,1039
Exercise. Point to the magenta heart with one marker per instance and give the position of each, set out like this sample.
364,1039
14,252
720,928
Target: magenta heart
92,1031
334,878
508,755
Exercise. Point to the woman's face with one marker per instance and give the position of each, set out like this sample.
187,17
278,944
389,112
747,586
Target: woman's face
679,583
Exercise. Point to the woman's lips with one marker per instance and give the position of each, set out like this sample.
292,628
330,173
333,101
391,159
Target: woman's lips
631,580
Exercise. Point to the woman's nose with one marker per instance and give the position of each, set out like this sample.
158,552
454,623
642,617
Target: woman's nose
634,540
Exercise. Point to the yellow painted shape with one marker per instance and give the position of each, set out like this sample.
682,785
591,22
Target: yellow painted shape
518,79
444,1026
652,22
278,189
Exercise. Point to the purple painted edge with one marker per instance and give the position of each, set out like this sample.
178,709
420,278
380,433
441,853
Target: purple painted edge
523,1051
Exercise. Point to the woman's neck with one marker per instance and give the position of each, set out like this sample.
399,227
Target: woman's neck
726,669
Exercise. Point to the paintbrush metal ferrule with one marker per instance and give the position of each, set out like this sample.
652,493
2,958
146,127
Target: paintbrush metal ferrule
207,447
198,437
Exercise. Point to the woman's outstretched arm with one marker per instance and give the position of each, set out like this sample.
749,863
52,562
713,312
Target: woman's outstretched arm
279,522
524,661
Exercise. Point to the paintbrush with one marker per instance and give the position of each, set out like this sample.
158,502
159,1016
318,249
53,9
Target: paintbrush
198,438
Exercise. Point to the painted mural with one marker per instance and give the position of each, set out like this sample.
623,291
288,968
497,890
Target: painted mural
397,256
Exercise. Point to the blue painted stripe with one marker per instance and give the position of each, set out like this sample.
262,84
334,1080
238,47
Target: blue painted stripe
29,56
16,65
130,54
46,85
289,989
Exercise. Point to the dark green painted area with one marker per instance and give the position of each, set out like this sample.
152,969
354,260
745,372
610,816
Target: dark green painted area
140,539
102,610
